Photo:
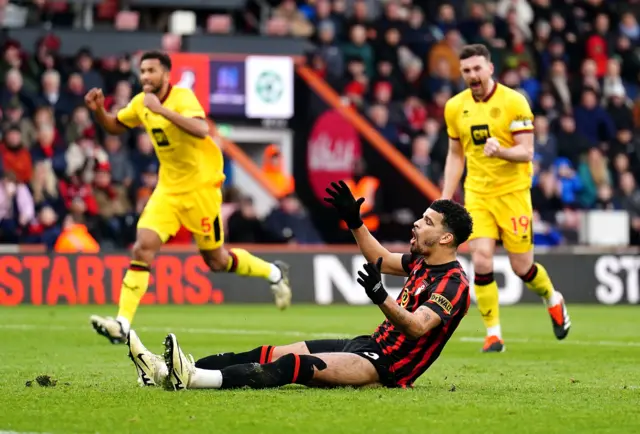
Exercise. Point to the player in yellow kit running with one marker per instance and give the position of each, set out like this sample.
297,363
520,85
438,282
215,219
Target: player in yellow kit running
188,191
491,126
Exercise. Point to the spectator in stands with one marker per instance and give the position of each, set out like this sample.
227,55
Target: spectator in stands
122,172
571,144
245,226
15,155
14,114
45,229
290,222
273,168
44,187
593,173
570,185
75,237
298,24
592,120
545,142
148,182
629,197
84,65
16,208
14,89
113,205
357,47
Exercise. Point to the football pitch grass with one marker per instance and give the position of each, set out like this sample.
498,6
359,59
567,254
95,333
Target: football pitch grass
589,383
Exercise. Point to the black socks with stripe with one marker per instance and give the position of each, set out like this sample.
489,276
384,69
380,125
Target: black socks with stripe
259,355
288,369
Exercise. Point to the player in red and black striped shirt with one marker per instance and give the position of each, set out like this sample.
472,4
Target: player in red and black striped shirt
418,323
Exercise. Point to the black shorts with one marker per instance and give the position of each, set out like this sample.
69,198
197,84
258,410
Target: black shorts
364,346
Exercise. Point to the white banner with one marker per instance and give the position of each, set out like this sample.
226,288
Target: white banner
269,87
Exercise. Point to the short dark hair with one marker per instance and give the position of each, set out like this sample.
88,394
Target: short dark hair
475,50
455,218
161,57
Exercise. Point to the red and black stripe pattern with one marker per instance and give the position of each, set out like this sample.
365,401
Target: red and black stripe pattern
443,289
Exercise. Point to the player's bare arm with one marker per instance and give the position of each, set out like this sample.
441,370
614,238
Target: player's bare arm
522,152
453,169
413,324
341,198
194,126
94,100
372,250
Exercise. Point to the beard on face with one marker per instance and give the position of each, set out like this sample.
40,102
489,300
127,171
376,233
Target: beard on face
423,244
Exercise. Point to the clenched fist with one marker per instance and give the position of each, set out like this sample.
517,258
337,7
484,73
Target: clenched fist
94,99
492,147
152,102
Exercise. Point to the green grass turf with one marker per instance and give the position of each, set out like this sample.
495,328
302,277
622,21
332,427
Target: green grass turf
589,383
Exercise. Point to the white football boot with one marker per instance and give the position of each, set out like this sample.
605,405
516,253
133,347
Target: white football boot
109,328
282,289
150,367
180,368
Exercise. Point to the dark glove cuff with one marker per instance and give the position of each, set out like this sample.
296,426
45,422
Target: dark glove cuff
354,223
378,296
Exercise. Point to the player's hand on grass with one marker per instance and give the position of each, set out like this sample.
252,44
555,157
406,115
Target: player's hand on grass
94,99
152,102
347,206
492,147
371,281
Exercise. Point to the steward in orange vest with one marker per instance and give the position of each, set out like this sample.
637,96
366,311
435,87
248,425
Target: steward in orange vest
75,238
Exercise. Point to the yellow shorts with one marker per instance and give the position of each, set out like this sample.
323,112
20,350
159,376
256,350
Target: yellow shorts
198,211
508,218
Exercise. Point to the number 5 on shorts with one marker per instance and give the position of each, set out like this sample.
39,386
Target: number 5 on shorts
520,224
207,226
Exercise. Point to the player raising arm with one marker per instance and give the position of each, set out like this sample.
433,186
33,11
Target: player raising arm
418,323
491,127
188,192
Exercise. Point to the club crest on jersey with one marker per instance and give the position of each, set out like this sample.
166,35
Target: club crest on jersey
442,301
480,134
420,289
494,112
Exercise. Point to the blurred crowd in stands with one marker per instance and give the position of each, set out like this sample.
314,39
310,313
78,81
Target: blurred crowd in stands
577,61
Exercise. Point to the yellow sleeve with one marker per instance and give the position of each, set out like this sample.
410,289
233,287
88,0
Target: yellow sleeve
128,116
189,106
450,117
520,115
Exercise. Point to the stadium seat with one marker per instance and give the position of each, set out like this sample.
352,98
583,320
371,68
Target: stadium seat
219,24
127,20
171,42
182,23
107,10
277,27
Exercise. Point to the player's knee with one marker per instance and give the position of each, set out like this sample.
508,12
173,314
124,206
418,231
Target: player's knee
217,260
521,268
143,252
304,366
482,261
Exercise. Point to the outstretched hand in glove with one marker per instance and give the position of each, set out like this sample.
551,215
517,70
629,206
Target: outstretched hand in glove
371,281
346,205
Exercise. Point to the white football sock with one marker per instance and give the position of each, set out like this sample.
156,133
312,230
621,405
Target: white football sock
495,331
276,274
124,323
206,379
555,298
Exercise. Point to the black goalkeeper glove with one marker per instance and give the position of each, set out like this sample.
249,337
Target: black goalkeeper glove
347,206
372,282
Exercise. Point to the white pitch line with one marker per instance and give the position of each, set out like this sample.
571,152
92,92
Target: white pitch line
321,335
